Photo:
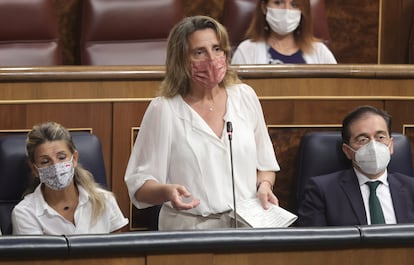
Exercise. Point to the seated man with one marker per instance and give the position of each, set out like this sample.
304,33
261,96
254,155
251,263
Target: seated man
345,197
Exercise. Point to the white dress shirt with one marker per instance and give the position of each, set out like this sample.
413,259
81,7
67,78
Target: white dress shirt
383,194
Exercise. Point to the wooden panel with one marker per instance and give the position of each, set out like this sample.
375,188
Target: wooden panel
408,130
311,111
77,261
212,8
396,21
402,118
181,259
353,26
126,117
69,12
401,112
366,256
361,256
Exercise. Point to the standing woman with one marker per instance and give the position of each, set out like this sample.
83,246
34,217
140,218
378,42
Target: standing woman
281,33
67,200
181,157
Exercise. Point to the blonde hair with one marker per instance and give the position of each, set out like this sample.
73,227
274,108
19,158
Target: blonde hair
177,76
52,131
259,29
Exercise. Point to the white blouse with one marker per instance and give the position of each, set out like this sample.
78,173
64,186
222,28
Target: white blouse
175,145
251,52
33,216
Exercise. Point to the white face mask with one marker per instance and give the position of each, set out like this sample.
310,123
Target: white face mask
283,21
373,157
57,176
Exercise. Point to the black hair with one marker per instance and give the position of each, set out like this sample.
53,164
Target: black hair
356,114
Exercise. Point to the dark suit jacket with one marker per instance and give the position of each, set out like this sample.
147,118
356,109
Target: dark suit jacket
336,199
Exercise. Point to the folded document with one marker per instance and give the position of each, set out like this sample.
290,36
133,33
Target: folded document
252,214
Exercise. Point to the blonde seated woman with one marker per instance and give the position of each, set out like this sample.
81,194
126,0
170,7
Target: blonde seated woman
67,200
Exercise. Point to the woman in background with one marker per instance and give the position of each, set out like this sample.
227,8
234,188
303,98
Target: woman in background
281,33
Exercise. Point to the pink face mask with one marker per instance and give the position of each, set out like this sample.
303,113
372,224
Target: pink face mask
209,73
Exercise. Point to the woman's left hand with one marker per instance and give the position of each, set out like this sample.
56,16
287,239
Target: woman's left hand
266,195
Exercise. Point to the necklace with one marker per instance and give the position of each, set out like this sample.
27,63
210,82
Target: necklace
199,102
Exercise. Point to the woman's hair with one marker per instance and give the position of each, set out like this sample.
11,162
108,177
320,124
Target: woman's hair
52,131
178,74
259,29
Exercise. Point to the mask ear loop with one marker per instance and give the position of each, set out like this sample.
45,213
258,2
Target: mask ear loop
71,159
350,148
389,144
353,150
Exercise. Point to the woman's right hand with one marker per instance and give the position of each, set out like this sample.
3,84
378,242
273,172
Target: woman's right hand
181,198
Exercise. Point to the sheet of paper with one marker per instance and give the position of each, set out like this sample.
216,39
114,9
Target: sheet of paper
252,212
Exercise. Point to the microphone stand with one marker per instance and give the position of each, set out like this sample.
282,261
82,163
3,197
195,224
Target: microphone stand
230,134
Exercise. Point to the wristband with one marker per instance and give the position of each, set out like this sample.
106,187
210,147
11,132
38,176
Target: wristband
260,183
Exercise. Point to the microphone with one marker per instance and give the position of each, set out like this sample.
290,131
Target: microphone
230,131
230,135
